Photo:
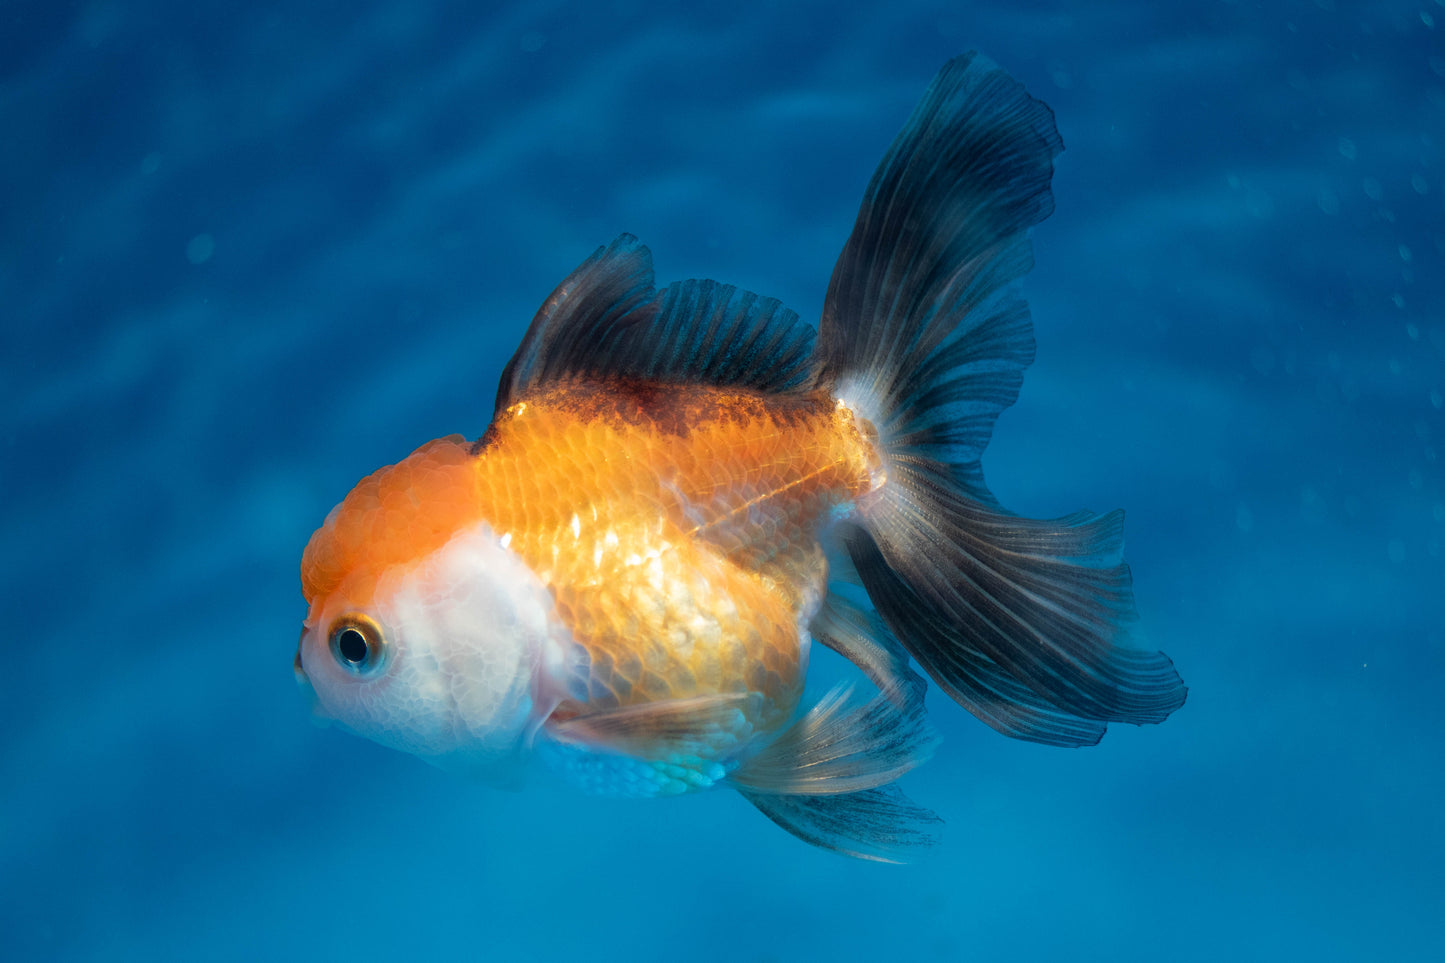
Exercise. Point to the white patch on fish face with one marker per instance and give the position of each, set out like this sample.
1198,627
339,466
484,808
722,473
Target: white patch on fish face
474,658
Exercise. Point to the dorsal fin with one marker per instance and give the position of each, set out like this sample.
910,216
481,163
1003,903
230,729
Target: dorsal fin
607,320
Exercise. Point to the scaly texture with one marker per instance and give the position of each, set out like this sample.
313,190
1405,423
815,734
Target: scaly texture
676,527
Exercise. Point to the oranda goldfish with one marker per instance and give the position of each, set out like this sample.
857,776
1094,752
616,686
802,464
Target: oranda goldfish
682,490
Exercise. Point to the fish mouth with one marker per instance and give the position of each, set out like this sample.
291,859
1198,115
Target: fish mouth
303,682
302,679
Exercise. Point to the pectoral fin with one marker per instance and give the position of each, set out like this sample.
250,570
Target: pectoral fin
701,726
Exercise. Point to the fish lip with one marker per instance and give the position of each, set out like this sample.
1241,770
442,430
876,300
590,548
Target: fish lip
302,679
319,717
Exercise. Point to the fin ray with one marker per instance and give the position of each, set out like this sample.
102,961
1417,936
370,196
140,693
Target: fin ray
688,726
586,308
965,674
864,639
917,327
1023,607
1023,622
879,824
841,746
606,320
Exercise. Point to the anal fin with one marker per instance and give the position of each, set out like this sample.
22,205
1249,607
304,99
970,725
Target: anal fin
827,779
842,746
881,824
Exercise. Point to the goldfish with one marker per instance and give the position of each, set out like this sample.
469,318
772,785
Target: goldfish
683,490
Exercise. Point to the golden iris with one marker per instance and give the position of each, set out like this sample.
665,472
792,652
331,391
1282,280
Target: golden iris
357,643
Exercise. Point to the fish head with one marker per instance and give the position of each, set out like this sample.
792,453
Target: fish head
425,632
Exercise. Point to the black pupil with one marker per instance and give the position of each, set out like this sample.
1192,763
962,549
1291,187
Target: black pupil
352,646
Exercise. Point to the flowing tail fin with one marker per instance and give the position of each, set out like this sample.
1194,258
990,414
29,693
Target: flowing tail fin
1023,622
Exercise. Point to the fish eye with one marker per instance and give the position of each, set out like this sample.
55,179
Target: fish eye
357,644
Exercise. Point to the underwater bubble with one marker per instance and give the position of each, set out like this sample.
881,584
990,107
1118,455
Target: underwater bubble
1418,182
200,248
1405,253
1372,188
1347,148
1328,201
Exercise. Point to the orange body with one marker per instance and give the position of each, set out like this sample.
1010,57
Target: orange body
623,576
677,529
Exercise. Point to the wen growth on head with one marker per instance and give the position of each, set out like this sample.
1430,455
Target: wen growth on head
683,490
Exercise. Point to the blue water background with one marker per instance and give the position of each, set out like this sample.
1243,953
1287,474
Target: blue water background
250,252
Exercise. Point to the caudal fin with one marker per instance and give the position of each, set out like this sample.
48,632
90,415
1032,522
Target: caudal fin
1023,622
